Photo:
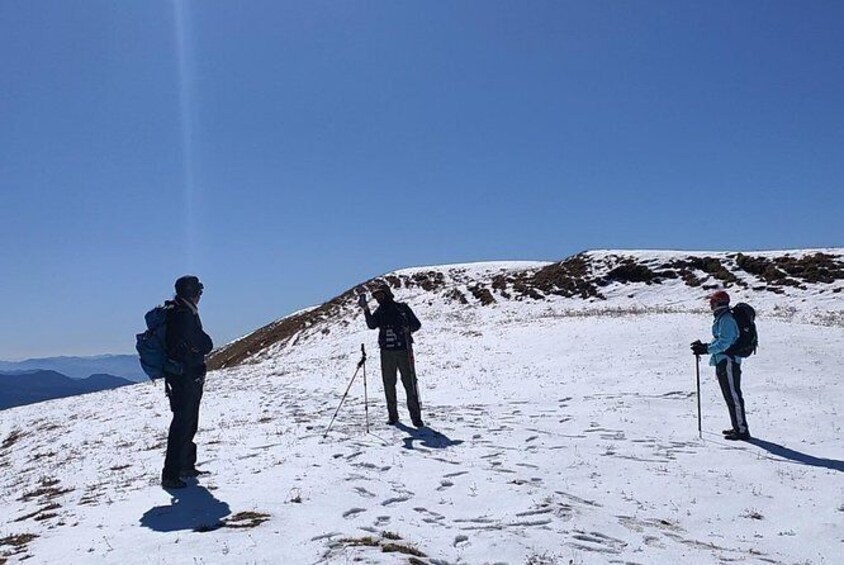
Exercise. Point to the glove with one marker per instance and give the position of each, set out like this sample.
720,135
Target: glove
362,300
699,348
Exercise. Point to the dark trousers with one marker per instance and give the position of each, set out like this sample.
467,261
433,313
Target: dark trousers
399,360
185,393
729,377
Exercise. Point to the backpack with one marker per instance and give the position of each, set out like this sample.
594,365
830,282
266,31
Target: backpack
748,339
152,345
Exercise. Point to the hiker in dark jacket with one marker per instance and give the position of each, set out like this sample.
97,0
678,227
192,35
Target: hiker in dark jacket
187,345
725,332
396,323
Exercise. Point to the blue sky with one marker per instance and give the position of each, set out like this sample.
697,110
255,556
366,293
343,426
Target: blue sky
285,151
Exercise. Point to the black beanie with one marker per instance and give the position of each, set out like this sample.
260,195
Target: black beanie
188,286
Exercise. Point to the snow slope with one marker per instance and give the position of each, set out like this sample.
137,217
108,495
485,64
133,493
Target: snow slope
562,430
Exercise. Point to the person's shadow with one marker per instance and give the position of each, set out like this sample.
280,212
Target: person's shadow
192,508
427,437
796,456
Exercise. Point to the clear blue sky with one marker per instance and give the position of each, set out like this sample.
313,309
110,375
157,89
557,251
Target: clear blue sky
284,151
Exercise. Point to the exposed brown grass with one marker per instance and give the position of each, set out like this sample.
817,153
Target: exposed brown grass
18,543
45,511
47,490
819,268
11,439
367,541
393,547
18,540
388,545
243,520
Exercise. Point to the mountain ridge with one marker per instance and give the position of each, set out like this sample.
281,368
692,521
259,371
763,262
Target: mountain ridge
589,278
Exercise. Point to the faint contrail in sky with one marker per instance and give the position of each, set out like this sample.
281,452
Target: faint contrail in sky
184,54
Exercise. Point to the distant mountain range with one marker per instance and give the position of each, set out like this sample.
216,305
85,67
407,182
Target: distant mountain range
27,387
124,366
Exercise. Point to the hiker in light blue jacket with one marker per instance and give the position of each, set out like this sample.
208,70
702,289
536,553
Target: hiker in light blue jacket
725,332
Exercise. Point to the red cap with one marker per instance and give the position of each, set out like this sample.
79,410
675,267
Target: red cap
719,297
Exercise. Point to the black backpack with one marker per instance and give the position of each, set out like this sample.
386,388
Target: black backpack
748,339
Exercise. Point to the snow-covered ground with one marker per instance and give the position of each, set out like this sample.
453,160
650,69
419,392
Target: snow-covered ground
560,432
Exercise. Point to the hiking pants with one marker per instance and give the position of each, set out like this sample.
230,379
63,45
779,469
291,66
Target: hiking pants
391,361
729,377
185,393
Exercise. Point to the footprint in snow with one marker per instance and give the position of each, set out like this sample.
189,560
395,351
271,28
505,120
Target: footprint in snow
381,521
602,543
536,512
352,512
431,517
395,500
530,523
372,466
461,540
365,493
528,465
326,536
478,520
577,499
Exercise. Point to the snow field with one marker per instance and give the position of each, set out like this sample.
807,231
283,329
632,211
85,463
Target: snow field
558,438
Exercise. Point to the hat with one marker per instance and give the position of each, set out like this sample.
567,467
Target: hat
383,287
719,297
188,286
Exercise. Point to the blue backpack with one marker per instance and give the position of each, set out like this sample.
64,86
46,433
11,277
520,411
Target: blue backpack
152,345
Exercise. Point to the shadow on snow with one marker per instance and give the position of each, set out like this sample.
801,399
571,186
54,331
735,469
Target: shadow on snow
427,437
192,508
796,456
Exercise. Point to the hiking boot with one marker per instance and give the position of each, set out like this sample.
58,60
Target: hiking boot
727,432
418,423
392,421
736,436
173,483
192,473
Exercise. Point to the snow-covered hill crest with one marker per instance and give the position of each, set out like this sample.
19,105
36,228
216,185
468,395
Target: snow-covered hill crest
806,285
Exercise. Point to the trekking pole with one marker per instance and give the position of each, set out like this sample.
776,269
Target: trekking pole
360,364
411,358
697,377
365,395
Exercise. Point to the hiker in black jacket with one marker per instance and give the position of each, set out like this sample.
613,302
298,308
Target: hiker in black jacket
395,322
187,345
